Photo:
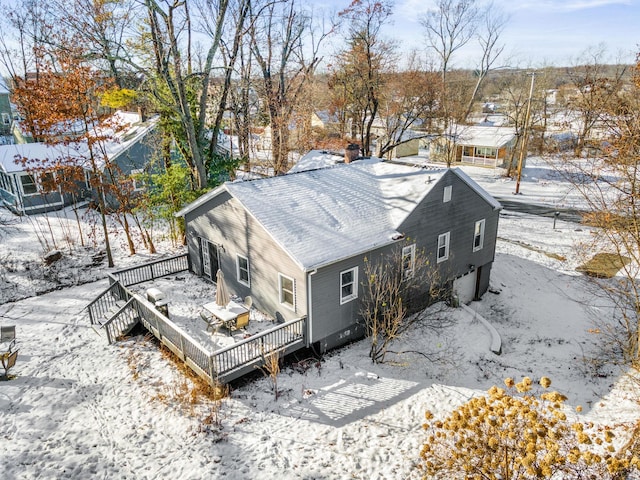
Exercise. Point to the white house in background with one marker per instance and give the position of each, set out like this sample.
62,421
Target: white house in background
474,144
325,120
316,159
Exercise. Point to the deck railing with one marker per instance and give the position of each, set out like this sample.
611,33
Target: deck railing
106,301
219,366
152,270
121,322
228,363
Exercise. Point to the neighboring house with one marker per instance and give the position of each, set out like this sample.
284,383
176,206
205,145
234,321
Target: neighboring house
6,115
325,120
477,145
22,187
408,144
297,243
315,159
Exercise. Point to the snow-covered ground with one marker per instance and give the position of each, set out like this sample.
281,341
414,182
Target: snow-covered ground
80,408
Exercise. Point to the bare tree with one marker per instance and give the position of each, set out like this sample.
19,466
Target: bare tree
492,21
285,47
609,181
596,86
397,285
167,22
103,28
409,99
361,65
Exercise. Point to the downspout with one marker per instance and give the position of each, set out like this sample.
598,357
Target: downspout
309,307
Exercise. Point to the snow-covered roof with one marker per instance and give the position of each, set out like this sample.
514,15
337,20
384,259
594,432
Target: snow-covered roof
483,136
322,216
36,151
131,132
316,159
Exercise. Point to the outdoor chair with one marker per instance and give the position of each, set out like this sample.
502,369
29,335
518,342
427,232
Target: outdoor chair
8,360
209,320
8,336
248,302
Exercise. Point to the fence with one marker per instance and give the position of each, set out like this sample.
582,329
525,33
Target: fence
106,301
121,322
152,270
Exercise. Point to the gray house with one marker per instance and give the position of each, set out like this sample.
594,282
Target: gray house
297,243
22,186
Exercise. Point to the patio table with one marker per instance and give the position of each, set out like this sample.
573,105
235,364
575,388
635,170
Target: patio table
233,316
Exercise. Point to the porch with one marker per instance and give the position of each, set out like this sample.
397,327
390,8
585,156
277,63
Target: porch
218,356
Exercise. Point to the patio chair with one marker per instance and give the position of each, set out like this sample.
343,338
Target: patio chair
210,321
8,360
248,302
8,336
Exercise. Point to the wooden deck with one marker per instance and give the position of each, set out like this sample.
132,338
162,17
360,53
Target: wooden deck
121,307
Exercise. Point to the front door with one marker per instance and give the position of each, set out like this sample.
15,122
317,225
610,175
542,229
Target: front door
210,263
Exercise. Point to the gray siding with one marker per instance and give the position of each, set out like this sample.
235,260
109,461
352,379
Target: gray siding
328,317
223,221
458,216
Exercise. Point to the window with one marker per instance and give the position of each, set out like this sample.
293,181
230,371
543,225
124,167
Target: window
287,291
478,235
137,178
443,247
28,185
242,269
47,182
486,152
6,119
408,261
348,285
447,194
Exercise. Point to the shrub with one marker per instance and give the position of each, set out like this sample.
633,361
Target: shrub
512,433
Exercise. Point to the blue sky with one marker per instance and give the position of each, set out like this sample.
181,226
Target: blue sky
539,31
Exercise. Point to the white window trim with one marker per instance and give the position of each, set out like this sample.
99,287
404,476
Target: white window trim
34,182
281,291
354,290
443,240
409,251
239,269
480,234
447,194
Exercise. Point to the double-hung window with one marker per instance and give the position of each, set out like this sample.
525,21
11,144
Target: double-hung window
348,285
28,184
287,292
443,247
478,235
242,270
408,261
446,197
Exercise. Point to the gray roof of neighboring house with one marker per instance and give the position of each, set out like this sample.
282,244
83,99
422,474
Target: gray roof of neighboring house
322,216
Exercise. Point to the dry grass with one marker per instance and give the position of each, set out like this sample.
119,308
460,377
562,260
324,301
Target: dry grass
196,397
555,256
604,265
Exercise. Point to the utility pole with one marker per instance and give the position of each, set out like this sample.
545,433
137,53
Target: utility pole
523,145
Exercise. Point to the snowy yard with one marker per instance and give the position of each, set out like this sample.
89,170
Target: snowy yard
80,408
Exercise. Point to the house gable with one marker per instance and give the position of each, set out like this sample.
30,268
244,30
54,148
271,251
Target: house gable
435,217
223,221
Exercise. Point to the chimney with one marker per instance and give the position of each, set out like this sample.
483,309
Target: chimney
351,153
